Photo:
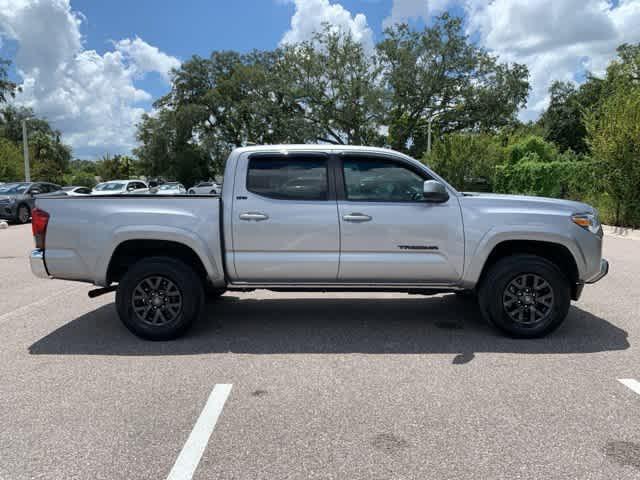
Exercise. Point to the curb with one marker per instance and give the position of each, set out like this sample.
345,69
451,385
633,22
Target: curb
621,232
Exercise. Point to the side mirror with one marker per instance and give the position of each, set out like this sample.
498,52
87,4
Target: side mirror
35,191
434,191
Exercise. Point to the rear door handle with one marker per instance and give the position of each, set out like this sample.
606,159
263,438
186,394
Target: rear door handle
255,216
356,217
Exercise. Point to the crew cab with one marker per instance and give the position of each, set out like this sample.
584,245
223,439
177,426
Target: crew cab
323,218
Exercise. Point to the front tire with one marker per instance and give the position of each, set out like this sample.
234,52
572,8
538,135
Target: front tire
525,296
159,298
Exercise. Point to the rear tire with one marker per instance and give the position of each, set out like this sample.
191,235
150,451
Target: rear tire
159,298
23,214
525,296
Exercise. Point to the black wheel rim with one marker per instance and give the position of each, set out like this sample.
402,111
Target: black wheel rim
23,214
528,299
156,301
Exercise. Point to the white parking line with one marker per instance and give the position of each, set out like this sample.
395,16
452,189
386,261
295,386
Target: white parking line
632,383
193,449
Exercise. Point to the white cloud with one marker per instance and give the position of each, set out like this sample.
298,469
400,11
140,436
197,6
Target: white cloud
557,40
147,58
310,15
91,98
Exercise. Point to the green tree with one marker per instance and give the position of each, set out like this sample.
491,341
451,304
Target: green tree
467,161
614,137
81,179
234,99
562,121
335,84
7,87
84,166
115,167
626,68
439,74
169,150
49,158
11,118
11,161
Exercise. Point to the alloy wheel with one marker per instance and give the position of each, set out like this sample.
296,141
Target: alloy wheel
528,299
156,301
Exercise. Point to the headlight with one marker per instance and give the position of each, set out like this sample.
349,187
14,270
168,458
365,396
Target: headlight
588,221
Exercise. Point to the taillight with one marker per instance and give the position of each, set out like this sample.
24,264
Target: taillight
39,221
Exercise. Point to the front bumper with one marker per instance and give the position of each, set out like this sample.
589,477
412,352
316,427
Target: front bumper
38,267
604,269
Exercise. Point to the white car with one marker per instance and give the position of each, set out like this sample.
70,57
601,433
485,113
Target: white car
171,188
76,191
205,188
116,187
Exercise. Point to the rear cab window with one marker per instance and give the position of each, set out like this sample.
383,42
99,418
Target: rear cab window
289,178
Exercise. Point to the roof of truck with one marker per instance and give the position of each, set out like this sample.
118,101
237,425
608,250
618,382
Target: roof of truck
315,147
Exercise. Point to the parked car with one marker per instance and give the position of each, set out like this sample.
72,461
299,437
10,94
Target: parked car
74,191
205,188
116,187
17,199
323,218
169,188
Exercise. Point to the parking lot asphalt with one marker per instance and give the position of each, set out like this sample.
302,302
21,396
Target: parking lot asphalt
324,386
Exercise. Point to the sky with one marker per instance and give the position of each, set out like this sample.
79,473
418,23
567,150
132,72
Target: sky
93,67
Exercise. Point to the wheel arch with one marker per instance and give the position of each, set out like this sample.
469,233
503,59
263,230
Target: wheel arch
556,253
128,252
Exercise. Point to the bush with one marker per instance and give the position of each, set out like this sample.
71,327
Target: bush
81,179
532,144
467,161
614,136
563,179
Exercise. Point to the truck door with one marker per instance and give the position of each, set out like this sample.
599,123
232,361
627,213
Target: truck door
285,220
389,233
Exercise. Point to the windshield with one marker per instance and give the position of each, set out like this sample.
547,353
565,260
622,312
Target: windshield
13,188
109,187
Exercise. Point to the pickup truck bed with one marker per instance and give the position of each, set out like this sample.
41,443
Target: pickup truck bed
87,231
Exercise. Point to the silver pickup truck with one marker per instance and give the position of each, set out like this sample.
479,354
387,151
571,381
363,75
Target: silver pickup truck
323,218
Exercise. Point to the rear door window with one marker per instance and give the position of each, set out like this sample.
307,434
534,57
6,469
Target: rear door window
284,178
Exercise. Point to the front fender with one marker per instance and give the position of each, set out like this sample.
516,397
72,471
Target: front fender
477,255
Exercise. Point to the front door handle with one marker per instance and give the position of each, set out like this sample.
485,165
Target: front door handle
356,217
255,216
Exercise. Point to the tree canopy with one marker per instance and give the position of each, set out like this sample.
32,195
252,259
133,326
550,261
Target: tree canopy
8,88
439,74
330,89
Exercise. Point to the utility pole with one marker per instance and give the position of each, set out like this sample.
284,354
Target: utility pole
25,143
429,136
